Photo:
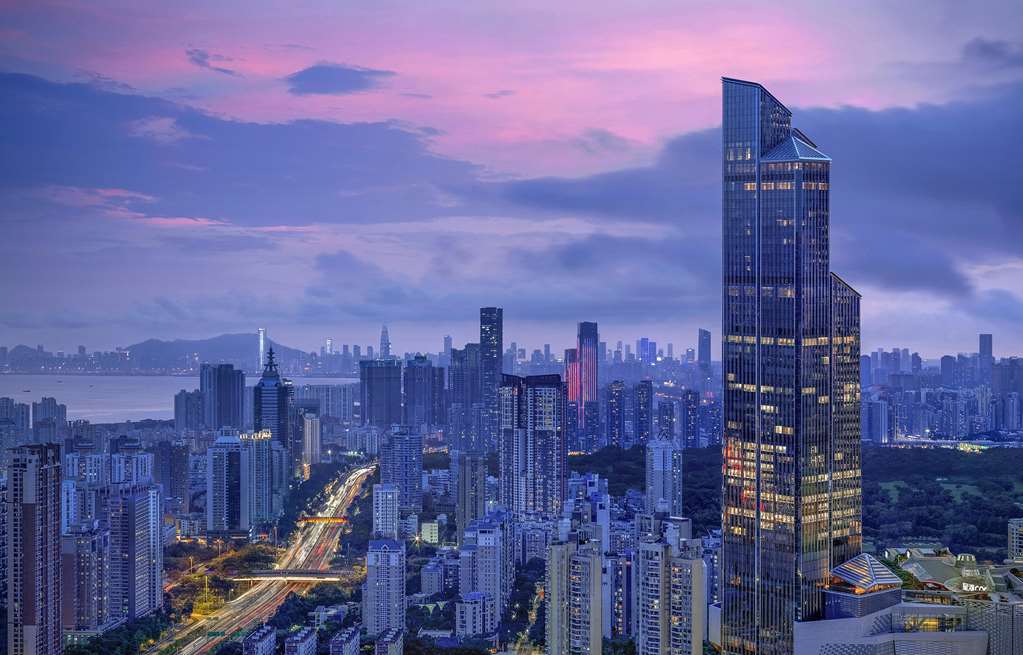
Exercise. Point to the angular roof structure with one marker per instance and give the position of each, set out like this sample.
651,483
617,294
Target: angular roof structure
794,149
865,572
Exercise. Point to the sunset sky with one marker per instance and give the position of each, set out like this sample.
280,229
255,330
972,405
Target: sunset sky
174,170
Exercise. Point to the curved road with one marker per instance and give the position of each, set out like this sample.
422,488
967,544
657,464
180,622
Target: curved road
312,548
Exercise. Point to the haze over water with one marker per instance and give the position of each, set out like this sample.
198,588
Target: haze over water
115,398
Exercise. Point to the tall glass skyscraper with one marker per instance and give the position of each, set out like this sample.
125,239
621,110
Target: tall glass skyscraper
491,350
790,342
586,352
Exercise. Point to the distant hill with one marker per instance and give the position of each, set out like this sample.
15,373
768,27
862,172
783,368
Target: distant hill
238,349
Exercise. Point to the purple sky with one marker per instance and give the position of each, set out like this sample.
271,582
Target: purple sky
321,168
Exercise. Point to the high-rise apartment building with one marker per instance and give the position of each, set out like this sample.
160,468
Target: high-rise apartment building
663,477
33,551
385,511
401,464
302,642
574,598
311,440
491,349
471,497
424,406
188,411
616,414
346,641
228,486
985,359
261,641
690,404
85,558
466,407
1016,540
381,392
532,452
642,412
791,491
493,563
134,515
222,388
383,593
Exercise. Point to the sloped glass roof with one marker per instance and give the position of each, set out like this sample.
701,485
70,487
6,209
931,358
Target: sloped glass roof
865,572
794,149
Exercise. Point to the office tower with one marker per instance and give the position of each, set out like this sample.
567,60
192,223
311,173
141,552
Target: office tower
572,375
188,411
1015,543
385,511
385,343
663,477
791,356
33,551
642,411
261,361
302,642
587,345
135,516
401,464
271,401
223,396
381,392
424,394
346,642
383,593
687,603
666,420
261,641
5,543
464,387
703,346
228,505
85,579
332,400
616,414
472,491
690,405
311,440
491,345
390,642
986,359
532,452
357,352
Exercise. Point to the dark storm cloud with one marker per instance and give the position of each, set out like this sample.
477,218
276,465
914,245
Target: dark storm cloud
916,194
196,164
334,79
209,61
993,52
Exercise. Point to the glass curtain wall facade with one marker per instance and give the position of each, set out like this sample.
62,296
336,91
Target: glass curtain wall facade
791,486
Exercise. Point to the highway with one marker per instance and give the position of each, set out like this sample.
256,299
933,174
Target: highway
311,548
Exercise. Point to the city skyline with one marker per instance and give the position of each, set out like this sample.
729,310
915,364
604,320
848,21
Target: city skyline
607,196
